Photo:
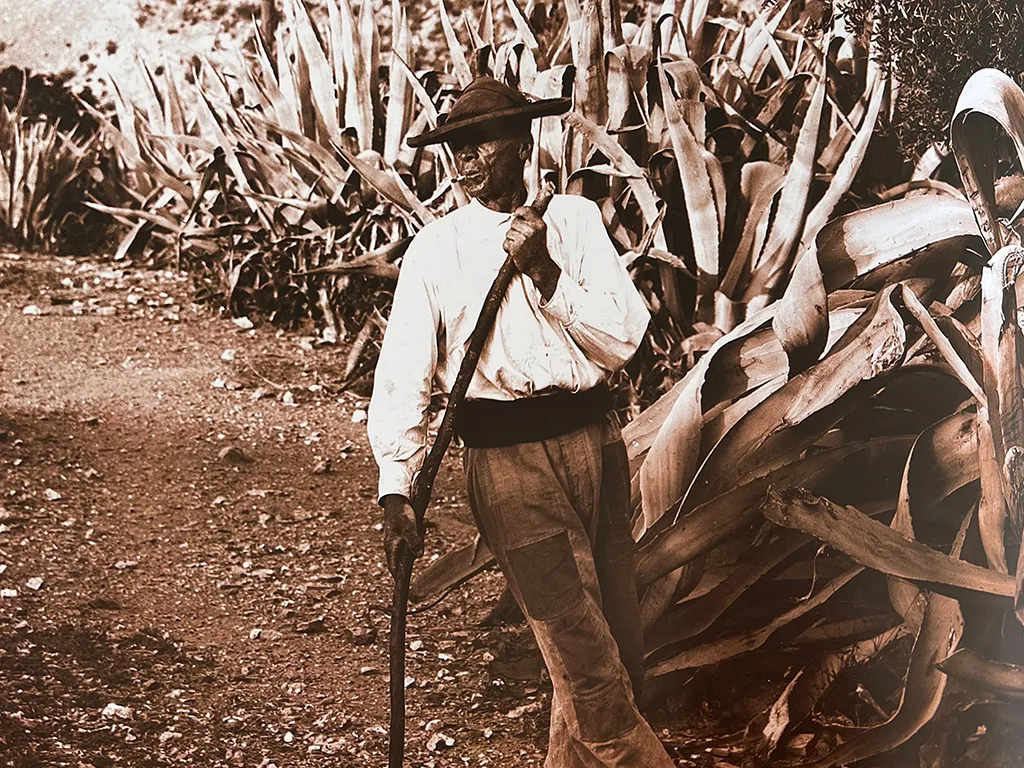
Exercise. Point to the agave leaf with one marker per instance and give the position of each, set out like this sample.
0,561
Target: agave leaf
399,110
591,92
672,461
989,98
697,185
860,242
942,344
943,459
940,634
844,175
388,184
1001,347
358,104
369,38
321,77
693,16
760,182
757,39
878,546
165,220
458,56
975,671
450,570
735,645
837,471
871,346
692,617
524,30
787,227
617,156
992,512
802,319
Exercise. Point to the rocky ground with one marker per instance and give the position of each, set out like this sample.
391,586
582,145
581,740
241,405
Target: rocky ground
190,553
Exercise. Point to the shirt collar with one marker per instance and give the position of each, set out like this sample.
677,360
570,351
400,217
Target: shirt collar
481,210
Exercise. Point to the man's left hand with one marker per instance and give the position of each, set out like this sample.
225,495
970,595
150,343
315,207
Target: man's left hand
527,244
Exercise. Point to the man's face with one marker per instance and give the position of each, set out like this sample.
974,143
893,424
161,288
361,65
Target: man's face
492,165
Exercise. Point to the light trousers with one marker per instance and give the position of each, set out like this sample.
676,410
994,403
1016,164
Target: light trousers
555,513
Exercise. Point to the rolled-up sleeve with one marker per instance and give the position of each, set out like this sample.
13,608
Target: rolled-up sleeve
595,299
397,424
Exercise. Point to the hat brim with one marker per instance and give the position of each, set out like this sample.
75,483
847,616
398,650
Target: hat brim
533,110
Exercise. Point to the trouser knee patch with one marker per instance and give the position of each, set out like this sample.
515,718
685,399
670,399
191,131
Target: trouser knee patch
548,578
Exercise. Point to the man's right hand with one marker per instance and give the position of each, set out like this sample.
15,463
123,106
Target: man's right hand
400,531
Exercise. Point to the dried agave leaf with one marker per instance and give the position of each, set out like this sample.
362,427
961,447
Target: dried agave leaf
940,634
997,677
450,570
837,471
878,546
806,689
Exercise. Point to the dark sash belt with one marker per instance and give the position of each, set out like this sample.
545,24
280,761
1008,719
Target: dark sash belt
494,423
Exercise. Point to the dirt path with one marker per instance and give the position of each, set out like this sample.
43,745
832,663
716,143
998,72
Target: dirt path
201,605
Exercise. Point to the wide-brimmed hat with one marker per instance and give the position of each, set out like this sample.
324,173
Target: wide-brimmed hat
487,101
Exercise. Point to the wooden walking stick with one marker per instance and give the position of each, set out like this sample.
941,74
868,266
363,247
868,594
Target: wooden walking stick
424,485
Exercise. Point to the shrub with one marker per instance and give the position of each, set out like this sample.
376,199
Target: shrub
934,46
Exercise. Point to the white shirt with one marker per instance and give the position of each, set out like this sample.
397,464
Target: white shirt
590,327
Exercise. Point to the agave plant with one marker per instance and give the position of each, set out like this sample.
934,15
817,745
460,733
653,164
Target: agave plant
307,137
45,175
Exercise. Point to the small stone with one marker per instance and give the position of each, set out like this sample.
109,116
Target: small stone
8,593
35,584
244,323
254,634
32,309
410,681
289,737
440,741
361,635
358,416
433,725
227,355
126,565
362,670
116,712
51,495
288,398
416,645
323,467
258,394
218,383
169,736
233,385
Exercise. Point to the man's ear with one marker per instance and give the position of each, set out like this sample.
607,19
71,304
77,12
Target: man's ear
526,149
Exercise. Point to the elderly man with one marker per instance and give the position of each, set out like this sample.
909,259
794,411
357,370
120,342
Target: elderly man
545,464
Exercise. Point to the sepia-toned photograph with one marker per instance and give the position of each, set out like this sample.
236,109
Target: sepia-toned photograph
552,383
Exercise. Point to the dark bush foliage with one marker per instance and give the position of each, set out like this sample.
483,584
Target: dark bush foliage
47,96
934,46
